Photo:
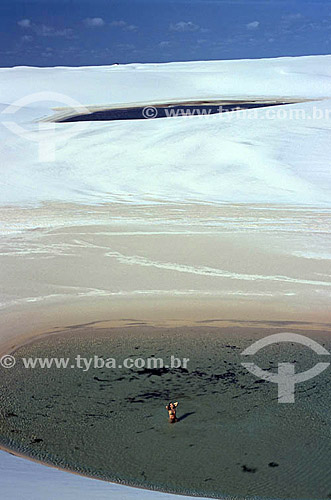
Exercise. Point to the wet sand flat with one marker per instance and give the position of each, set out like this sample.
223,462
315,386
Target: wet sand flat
232,438
65,264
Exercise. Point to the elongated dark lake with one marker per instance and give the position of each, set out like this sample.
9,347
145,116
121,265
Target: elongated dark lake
140,112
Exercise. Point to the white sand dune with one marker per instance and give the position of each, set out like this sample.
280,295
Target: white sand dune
218,158
32,481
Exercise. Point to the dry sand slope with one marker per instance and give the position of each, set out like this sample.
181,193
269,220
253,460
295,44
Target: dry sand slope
162,263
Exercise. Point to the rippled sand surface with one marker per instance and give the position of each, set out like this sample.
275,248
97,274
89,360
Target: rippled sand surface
183,261
232,438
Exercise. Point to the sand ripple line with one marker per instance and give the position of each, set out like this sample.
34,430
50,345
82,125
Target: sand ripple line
96,292
208,271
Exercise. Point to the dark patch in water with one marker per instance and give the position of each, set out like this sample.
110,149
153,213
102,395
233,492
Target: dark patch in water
153,371
245,468
101,380
37,440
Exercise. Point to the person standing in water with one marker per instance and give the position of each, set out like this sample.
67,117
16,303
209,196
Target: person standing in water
171,407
